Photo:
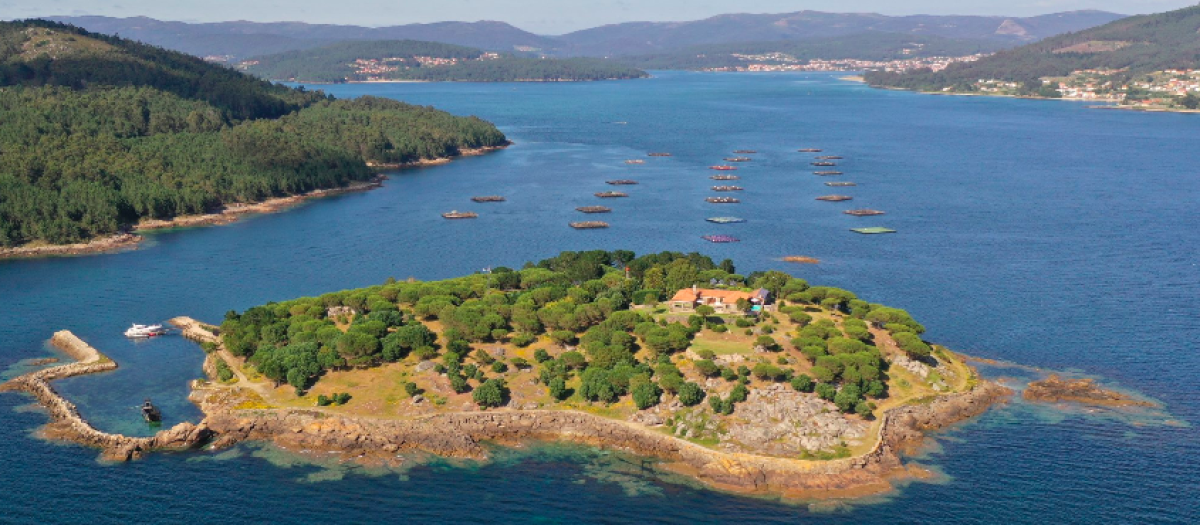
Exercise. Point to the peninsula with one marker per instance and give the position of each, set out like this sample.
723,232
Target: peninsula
758,384
104,136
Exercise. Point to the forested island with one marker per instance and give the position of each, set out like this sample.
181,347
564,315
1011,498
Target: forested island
1148,62
411,60
807,391
99,133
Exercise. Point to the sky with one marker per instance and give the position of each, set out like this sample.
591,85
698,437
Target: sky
540,16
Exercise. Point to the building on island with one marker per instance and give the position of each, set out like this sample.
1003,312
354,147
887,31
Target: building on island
721,301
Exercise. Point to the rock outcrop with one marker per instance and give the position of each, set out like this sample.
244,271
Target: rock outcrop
1054,389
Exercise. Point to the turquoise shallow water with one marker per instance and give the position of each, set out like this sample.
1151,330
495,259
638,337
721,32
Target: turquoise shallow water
1042,233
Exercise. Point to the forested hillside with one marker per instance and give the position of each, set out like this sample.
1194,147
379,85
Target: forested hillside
415,60
1134,45
97,133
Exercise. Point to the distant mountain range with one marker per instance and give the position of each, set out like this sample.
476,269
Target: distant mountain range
1122,50
245,39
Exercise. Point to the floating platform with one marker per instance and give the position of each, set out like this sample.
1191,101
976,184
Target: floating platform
489,198
621,182
738,159
589,225
830,157
840,184
744,151
874,230
826,173
824,163
720,238
611,194
658,154
725,220
723,168
635,161
725,177
455,214
809,150
594,209
727,188
863,213
722,200
835,198
801,259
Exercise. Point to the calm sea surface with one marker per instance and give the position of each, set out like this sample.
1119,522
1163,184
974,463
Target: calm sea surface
1042,233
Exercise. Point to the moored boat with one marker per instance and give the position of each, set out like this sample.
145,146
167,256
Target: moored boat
830,157
150,412
744,151
144,331
489,198
722,200
874,230
738,159
720,238
840,184
611,194
824,163
727,188
635,161
826,173
621,182
835,198
594,209
809,150
725,220
723,168
659,154
863,213
455,214
589,225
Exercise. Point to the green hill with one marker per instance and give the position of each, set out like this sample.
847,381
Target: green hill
1127,48
97,133
357,61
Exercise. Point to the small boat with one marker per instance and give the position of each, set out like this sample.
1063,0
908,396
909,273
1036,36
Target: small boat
489,198
824,163
589,225
658,154
150,412
725,220
635,161
720,238
826,173
874,230
455,214
723,168
830,157
835,198
621,182
738,159
744,151
801,259
594,209
727,188
722,200
724,177
840,184
863,213
611,194
809,150
144,331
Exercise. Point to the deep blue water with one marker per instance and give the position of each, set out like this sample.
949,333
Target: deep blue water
1042,233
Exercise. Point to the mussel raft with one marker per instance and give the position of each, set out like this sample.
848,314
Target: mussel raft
835,198
727,188
621,182
594,209
830,157
659,154
826,173
745,151
738,159
725,177
455,214
824,163
611,194
722,200
809,150
840,184
589,225
863,213
720,238
489,198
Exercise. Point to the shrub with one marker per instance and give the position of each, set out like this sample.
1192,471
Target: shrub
767,371
411,389
720,329
491,393
847,398
573,359
728,374
767,342
558,388
742,322
459,384
912,344
826,391
425,352
863,409
541,355
646,395
523,340
707,368
705,353
484,357
690,394
720,406
520,363
802,383
224,373
499,367
739,393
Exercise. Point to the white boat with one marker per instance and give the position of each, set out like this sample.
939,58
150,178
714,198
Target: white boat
142,331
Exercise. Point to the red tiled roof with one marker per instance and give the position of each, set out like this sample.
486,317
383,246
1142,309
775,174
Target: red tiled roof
726,296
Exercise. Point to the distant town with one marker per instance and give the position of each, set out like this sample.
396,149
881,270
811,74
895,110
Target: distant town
770,62
1172,88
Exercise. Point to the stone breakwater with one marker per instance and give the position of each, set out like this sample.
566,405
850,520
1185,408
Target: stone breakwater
462,435
67,424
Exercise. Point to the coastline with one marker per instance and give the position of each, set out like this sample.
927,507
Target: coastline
1146,109
230,213
232,416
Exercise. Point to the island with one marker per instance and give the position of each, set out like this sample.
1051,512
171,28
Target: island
756,383
412,60
105,137
1146,62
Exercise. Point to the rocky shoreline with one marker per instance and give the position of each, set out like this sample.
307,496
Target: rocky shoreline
462,435
1055,389
230,213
